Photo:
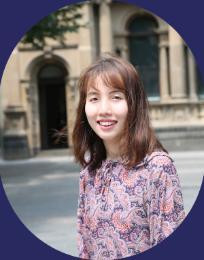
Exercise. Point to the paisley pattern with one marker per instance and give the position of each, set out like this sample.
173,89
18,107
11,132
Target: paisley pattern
122,213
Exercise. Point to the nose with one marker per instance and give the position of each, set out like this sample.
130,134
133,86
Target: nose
105,107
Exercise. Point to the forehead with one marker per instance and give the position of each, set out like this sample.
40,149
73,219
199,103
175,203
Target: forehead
97,85
113,82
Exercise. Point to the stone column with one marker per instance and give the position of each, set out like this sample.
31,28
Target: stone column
192,76
10,81
87,42
71,107
27,104
163,73
15,141
105,27
177,65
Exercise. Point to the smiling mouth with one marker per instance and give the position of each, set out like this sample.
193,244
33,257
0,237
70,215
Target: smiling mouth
106,123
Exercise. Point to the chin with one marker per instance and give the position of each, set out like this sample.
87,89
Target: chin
108,138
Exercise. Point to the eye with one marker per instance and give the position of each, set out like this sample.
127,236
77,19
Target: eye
93,99
117,97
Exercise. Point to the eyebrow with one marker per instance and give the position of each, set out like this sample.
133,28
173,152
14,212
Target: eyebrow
96,92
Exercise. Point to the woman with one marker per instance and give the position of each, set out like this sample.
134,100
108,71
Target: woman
130,197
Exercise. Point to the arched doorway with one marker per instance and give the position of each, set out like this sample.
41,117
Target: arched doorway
143,52
52,104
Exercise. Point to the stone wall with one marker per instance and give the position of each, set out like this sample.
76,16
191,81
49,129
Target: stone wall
177,115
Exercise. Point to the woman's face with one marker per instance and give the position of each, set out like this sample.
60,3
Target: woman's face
106,111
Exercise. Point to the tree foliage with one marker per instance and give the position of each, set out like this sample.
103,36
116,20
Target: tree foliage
54,26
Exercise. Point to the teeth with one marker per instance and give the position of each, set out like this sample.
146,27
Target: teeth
106,123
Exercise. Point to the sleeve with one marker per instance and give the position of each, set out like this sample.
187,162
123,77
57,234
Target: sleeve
165,210
83,254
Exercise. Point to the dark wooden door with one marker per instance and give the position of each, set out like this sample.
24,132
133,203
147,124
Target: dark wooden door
52,107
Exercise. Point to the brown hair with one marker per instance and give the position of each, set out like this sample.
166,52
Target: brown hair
139,137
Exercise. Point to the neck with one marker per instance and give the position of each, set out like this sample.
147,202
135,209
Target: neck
112,151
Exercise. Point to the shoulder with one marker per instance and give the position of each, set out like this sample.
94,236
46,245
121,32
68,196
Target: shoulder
158,159
83,179
159,164
84,173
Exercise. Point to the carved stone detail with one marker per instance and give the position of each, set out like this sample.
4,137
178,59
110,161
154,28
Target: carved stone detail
177,114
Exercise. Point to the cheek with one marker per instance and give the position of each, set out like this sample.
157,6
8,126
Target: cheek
89,111
122,110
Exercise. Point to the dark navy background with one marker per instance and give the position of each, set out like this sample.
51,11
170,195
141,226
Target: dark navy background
16,17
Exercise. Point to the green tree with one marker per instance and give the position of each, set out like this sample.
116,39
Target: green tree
54,26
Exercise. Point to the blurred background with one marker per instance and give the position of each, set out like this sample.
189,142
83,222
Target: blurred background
39,96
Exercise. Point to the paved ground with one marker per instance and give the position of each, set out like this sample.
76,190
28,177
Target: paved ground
43,192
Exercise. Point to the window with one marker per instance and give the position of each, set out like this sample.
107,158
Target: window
143,51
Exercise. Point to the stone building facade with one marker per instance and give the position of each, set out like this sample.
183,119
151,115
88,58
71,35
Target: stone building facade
39,87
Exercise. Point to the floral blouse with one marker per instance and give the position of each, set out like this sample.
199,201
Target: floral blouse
122,213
